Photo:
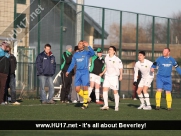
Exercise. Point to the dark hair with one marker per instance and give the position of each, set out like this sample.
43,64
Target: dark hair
167,49
114,48
142,52
8,47
47,45
81,41
76,48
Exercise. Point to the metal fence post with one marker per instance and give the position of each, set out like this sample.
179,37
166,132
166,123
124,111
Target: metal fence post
168,32
120,44
82,26
137,36
103,21
61,28
39,34
153,44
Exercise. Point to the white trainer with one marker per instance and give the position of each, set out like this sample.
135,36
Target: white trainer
147,108
104,108
89,99
74,101
141,106
116,109
16,103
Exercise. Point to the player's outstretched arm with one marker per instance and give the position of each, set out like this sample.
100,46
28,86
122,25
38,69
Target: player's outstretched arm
176,65
178,69
91,51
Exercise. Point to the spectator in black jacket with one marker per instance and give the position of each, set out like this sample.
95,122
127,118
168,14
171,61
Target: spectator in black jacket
10,83
4,70
46,66
66,81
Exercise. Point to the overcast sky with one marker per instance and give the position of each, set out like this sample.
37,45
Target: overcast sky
163,8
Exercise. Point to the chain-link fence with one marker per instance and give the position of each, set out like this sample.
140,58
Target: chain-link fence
62,23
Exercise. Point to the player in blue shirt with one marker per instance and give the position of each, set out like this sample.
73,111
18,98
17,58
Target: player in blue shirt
81,60
164,80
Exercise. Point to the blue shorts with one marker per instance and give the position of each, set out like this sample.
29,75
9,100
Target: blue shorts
82,78
164,83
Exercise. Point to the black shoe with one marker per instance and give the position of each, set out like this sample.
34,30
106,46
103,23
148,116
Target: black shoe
157,108
169,109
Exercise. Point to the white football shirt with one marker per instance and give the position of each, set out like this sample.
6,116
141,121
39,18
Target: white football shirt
144,69
113,65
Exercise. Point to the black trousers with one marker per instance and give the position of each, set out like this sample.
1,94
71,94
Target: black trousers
66,85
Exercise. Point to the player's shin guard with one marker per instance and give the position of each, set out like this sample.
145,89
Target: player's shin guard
85,98
97,95
90,90
169,100
147,99
105,97
116,98
141,98
81,93
158,98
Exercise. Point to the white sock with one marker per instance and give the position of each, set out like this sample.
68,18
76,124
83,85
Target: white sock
105,97
97,95
147,99
90,90
141,98
116,98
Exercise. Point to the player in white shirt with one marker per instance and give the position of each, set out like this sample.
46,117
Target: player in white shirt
144,66
113,73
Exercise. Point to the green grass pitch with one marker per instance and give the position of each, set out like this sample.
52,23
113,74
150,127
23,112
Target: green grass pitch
33,110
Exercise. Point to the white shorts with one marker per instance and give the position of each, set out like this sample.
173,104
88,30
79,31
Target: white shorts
145,82
111,82
95,78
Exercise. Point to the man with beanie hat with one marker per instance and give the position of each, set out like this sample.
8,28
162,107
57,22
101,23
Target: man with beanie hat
66,80
96,69
144,66
113,74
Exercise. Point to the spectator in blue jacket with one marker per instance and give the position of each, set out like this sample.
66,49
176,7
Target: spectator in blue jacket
46,66
4,70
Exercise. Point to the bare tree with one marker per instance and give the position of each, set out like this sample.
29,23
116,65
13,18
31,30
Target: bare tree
176,28
128,34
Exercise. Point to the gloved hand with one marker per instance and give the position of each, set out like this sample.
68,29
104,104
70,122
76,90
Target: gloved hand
135,83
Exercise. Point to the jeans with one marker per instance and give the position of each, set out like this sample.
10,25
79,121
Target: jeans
10,83
49,80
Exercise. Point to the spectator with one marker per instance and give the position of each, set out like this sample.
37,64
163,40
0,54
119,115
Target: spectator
46,66
96,69
66,81
10,83
4,70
